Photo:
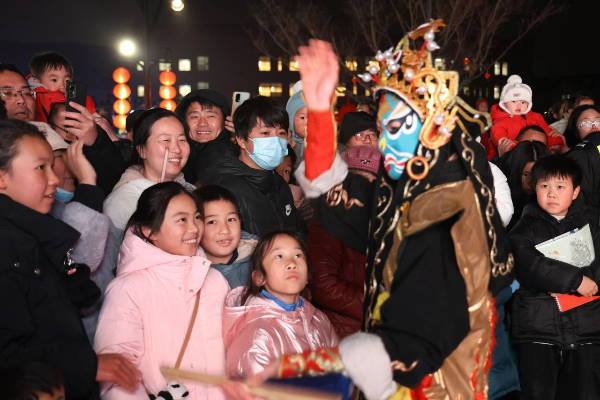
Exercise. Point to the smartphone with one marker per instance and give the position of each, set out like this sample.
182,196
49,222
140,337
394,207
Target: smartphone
238,98
76,92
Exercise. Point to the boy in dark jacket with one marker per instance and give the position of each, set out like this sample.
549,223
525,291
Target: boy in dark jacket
556,350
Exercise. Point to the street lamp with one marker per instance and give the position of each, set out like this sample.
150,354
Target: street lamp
177,5
127,48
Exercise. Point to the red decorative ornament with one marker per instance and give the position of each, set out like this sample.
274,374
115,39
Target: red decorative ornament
168,104
121,75
122,91
167,78
487,75
466,61
122,106
120,121
167,92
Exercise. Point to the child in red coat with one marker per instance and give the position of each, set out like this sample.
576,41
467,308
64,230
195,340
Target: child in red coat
50,73
512,114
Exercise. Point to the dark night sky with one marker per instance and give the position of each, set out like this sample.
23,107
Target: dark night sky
562,49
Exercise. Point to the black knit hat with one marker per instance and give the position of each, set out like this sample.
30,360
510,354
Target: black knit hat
204,95
354,122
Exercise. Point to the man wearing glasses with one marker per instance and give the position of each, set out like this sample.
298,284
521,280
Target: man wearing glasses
357,129
586,119
100,151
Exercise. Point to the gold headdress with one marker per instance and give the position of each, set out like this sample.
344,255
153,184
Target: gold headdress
409,73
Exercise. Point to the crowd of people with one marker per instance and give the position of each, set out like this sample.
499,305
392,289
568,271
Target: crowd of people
196,242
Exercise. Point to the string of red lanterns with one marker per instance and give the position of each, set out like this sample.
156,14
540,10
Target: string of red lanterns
121,91
167,92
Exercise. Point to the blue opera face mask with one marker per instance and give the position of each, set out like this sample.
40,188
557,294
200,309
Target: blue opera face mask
400,126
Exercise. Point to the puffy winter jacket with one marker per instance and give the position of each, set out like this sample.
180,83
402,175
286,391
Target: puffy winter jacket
536,317
122,201
38,322
260,331
587,155
509,126
146,313
265,200
338,280
238,271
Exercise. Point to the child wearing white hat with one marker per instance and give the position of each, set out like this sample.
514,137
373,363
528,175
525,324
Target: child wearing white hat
512,114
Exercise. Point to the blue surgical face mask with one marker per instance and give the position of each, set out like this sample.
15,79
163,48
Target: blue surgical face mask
268,152
63,195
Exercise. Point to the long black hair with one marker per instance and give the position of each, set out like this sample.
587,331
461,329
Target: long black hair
572,132
263,246
152,206
143,126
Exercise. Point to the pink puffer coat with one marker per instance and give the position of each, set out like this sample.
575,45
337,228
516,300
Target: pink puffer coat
146,313
260,332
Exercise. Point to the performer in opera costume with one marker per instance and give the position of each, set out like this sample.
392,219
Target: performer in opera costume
437,252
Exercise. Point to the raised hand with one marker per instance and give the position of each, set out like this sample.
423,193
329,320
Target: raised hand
319,70
78,165
82,124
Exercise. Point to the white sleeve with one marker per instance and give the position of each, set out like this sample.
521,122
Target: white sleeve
373,374
324,182
504,202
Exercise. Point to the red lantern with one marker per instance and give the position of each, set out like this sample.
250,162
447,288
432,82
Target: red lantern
167,78
120,121
122,107
466,61
122,91
168,104
121,75
487,75
167,92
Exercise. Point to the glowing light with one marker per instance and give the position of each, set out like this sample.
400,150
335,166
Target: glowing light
167,78
168,104
177,5
122,106
120,121
122,91
127,48
167,92
121,75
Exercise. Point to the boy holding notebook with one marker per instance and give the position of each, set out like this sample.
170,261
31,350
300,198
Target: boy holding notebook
556,350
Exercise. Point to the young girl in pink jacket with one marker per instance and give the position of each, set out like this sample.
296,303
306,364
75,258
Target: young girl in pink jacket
269,318
150,303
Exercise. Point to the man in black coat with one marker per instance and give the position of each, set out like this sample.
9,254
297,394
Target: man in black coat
264,198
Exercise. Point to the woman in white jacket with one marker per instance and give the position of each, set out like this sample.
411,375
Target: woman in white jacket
155,131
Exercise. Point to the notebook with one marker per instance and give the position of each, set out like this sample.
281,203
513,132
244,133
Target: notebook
575,247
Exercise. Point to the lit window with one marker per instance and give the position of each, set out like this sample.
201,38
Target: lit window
291,89
202,85
264,64
202,62
264,89
504,69
140,66
293,64
276,90
140,90
440,63
496,68
351,63
164,66
496,92
466,91
270,89
279,64
184,89
185,64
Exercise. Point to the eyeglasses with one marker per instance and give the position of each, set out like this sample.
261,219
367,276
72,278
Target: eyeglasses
587,125
11,94
363,136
